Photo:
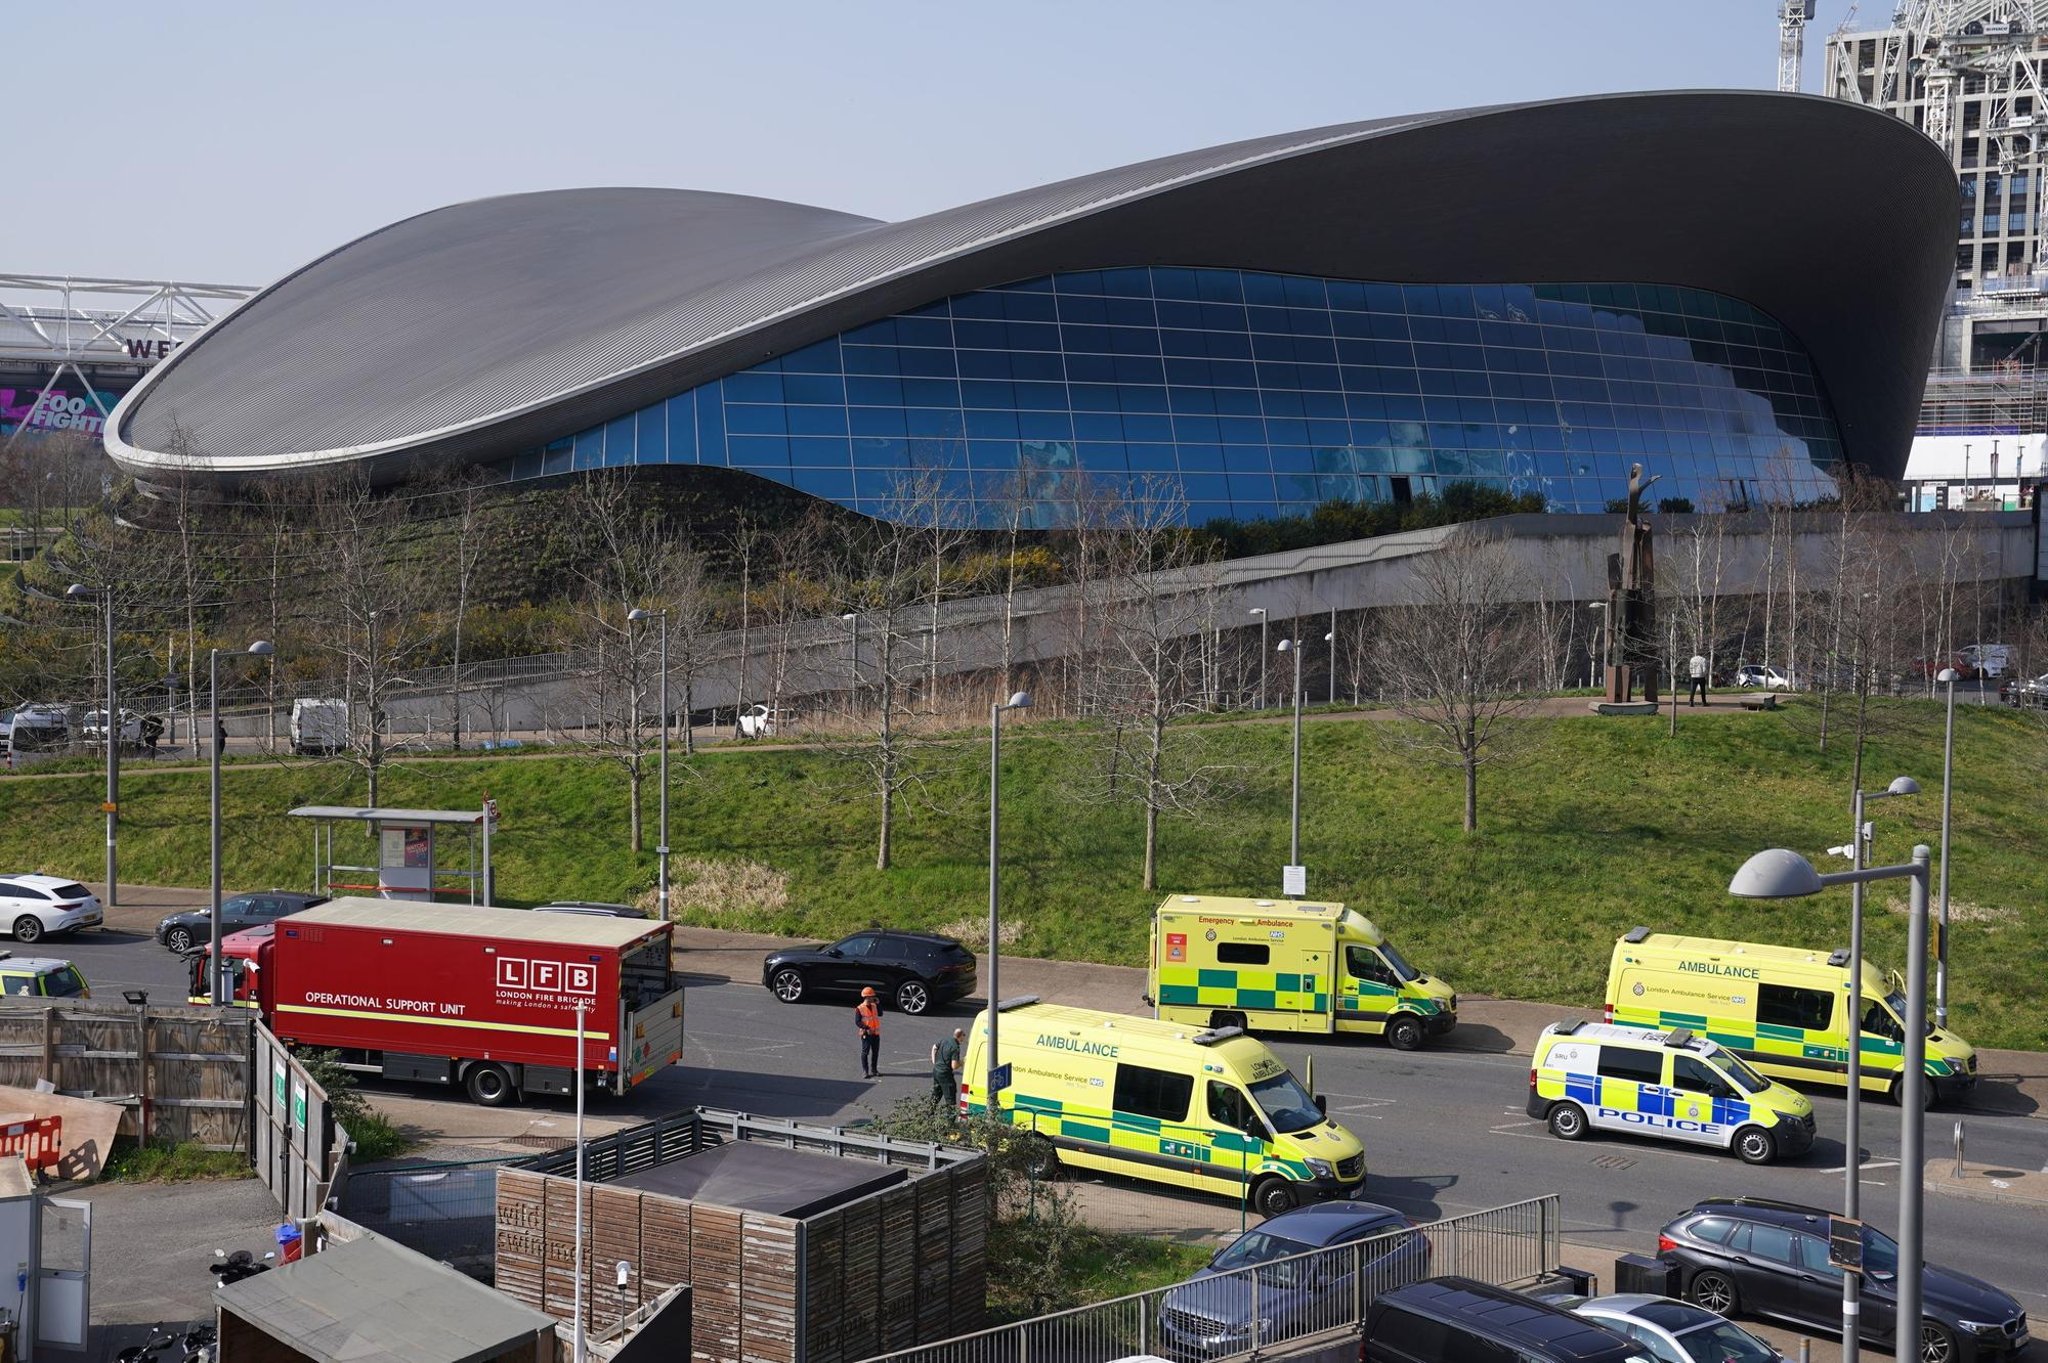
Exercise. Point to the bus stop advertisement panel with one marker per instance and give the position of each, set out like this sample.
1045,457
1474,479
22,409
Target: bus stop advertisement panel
405,864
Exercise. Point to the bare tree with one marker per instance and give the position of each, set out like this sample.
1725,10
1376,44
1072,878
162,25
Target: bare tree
1459,658
471,506
1155,602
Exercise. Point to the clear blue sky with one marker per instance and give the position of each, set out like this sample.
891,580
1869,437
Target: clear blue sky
225,142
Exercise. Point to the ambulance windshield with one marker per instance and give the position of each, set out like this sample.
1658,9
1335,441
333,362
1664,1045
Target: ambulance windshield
1403,971
1897,1003
1287,1105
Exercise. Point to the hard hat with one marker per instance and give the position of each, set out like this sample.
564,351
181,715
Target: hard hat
868,992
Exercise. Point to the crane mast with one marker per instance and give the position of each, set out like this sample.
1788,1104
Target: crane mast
1793,16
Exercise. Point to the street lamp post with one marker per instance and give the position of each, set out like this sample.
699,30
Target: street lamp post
1331,640
1782,874
1852,1134
1260,611
262,648
661,844
1294,803
1947,677
1019,701
111,716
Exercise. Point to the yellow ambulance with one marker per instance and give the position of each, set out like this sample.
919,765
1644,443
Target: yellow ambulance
1672,1085
1214,1111
1783,1009
1282,965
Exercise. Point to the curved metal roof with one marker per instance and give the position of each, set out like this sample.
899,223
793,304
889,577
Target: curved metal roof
479,329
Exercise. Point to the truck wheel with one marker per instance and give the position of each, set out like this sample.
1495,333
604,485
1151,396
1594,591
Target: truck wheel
1272,1196
787,984
28,928
1567,1121
489,1085
1227,1017
1928,1092
1755,1145
1404,1033
912,998
1041,1159
179,939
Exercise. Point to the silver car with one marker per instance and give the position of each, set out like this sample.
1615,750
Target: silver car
1675,1331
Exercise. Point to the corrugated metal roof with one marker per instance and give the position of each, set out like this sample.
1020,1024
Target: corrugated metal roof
373,1301
382,815
477,920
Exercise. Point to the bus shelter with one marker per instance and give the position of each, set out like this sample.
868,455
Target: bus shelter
415,853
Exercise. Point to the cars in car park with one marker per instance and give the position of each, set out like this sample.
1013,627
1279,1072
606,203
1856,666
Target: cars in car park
760,721
93,728
1763,678
1743,1256
1311,1265
2031,692
33,907
41,977
1986,660
591,908
1673,1331
1463,1320
181,932
911,971
35,726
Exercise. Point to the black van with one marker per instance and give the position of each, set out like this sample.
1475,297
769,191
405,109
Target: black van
1461,1320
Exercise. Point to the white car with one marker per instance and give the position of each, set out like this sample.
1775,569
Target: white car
1767,678
1988,660
33,906
1676,1331
758,721
94,727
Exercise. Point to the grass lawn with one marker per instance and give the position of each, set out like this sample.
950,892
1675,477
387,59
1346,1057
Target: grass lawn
1604,824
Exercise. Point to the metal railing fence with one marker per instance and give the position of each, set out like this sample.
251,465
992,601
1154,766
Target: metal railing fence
444,1211
1286,1305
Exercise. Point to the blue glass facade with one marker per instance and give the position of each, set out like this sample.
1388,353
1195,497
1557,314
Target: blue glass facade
1262,395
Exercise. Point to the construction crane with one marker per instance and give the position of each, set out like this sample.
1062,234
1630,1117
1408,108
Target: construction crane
1793,16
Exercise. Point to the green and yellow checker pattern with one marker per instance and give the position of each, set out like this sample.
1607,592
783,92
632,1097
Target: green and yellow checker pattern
1781,1050
1187,986
1151,1145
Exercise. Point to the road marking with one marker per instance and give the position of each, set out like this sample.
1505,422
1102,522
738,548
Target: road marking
1358,1109
1867,1165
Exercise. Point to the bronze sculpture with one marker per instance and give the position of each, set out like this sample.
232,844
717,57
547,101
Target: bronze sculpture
1632,602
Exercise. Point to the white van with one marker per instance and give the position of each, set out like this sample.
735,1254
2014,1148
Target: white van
319,727
1988,660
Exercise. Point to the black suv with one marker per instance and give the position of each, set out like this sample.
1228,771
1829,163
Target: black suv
912,970
1462,1320
1758,1257
183,931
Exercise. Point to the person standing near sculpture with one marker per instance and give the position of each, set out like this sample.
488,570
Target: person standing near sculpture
1697,670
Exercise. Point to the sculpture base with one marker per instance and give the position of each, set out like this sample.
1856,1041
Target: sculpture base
1622,707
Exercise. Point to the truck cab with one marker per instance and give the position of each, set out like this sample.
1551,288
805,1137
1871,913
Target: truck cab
245,951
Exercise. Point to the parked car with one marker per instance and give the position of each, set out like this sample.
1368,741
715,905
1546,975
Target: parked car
34,906
1299,1291
1765,678
181,932
41,977
591,908
2031,692
759,721
1673,1331
1758,1257
93,728
1463,1320
913,970
1987,660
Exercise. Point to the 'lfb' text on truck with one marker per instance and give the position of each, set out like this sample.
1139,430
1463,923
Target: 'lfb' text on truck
484,999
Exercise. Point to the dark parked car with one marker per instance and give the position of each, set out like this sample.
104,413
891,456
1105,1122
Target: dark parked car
912,970
590,908
1462,1320
1756,1257
1307,1262
183,931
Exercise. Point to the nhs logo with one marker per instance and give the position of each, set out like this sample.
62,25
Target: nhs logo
547,977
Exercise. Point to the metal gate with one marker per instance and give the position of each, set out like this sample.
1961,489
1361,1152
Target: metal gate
297,1148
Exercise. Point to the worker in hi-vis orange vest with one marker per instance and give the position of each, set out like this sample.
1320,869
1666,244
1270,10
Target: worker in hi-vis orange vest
867,1019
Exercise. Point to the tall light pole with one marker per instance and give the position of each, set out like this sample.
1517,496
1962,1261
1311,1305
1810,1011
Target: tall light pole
1331,640
1782,874
661,845
852,618
262,648
1294,803
1947,677
1260,611
1852,1134
1019,701
78,591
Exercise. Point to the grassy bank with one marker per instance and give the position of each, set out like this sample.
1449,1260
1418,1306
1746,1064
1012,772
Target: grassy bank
1603,825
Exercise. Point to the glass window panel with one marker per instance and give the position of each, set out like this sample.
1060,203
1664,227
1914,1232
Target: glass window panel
1229,345
1082,309
651,435
1146,426
756,419
821,358
1098,426
1141,369
930,422
1042,366
1241,430
759,453
819,452
987,393
876,420
1045,425
1127,283
682,428
1202,457
1042,397
884,452
930,393
1175,283
992,424
1269,319
871,359
813,388
817,420
753,385
929,363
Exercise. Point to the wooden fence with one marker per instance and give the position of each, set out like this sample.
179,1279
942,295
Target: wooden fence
180,1073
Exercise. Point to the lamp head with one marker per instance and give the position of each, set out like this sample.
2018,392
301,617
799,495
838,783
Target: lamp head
263,648
849,615
1948,676
1331,637
1256,610
1019,700
638,613
79,591
1777,873
1903,785
1284,646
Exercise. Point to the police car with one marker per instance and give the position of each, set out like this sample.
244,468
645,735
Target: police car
1671,1085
